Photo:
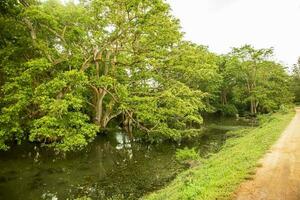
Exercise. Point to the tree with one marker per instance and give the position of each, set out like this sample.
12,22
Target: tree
227,68
77,67
260,83
295,86
197,68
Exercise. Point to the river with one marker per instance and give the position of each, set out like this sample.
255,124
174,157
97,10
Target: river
111,167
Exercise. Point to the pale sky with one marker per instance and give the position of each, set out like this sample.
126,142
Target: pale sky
222,24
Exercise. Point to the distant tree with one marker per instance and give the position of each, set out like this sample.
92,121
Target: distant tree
259,82
295,86
227,69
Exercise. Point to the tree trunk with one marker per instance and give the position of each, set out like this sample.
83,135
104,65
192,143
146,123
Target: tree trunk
256,106
252,106
223,97
127,123
100,94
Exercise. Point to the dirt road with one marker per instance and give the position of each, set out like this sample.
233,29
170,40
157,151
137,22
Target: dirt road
279,176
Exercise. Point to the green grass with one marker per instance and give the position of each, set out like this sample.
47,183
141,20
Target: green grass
220,175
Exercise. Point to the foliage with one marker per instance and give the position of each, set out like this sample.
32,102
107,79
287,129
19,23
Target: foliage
195,66
252,81
229,110
186,155
71,69
220,175
295,86
83,198
67,71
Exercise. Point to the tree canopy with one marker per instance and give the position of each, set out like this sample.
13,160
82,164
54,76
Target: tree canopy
295,86
69,71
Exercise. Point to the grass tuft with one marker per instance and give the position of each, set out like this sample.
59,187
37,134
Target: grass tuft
249,178
259,165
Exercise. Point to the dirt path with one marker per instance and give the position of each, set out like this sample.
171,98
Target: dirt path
279,176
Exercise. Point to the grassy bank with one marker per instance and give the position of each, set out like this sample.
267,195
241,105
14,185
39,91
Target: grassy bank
220,175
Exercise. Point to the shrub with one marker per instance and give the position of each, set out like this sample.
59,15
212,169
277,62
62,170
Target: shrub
186,155
229,110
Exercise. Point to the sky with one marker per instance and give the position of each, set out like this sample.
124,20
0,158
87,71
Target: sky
222,24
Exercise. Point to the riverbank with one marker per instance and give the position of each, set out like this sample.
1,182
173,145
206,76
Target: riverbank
220,175
279,176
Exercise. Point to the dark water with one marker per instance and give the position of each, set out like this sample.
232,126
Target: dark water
111,167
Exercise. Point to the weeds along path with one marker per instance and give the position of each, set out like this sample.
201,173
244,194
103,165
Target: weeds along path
279,176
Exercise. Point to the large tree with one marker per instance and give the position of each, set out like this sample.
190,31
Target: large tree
196,67
259,82
72,69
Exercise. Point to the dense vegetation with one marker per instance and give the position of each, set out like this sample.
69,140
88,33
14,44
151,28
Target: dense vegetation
295,86
220,175
70,71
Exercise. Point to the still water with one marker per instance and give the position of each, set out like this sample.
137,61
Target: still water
111,167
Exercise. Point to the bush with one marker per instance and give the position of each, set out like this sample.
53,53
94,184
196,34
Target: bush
266,118
284,108
187,155
229,110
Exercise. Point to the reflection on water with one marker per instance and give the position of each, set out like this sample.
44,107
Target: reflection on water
112,166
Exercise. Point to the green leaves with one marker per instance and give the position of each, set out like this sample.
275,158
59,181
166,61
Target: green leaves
68,132
103,82
63,125
69,70
252,82
169,113
295,84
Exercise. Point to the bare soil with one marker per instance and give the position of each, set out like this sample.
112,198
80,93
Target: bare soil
279,176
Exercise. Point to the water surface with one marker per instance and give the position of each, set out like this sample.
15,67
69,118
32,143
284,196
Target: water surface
110,167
